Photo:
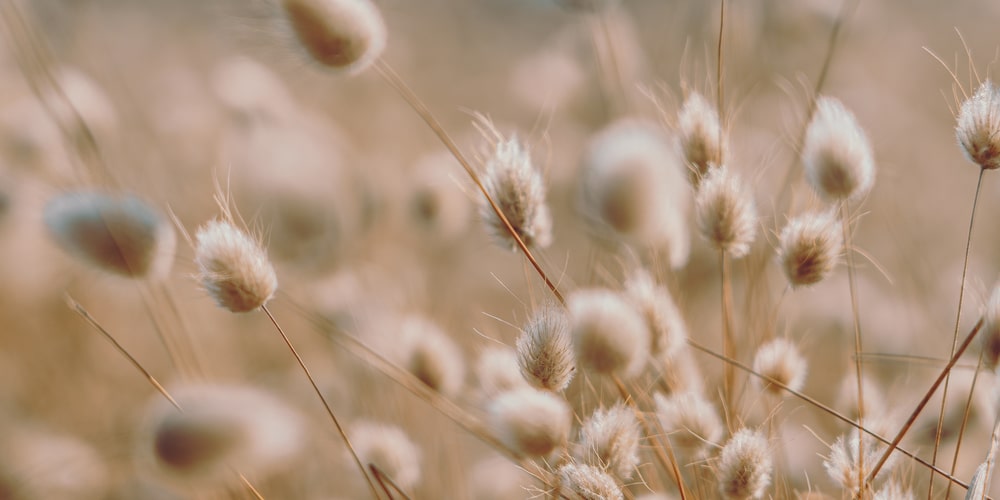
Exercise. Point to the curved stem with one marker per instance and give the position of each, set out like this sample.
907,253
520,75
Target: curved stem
329,410
856,317
958,320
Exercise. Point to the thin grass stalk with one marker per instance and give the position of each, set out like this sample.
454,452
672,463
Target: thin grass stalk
923,401
958,320
856,318
965,419
397,83
830,411
329,410
728,347
718,73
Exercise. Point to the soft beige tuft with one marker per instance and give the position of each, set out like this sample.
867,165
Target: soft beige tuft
978,127
702,140
388,448
610,336
586,482
809,248
609,439
530,422
745,466
545,350
233,267
691,421
725,212
781,361
838,158
345,35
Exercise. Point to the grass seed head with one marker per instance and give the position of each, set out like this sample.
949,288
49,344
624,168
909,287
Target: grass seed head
667,331
744,469
609,334
389,449
809,248
609,439
978,128
545,350
702,141
842,465
725,212
780,360
633,190
233,267
691,421
586,482
124,236
837,156
432,356
530,422
518,190
220,428
497,371
345,35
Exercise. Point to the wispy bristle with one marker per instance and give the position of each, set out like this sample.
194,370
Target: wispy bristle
609,334
545,350
893,490
702,141
780,360
844,464
586,482
809,247
837,155
726,213
978,128
530,422
389,449
609,439
518,190
744,468
233,267
345,35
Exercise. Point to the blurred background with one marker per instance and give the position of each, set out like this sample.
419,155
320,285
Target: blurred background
368,220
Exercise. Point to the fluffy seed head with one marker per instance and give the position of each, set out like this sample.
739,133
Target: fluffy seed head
978,127
990,335
633,189
691,421
220,427
545,351
725,212
437,205
809,248
518,190
389,449
744,469
586,482
233,267
842,463
702,141
497,371
124,236
780,360
892,490
837,156
978,486
530,422
609,334
609,439
345,35
667,331
39,464
432,356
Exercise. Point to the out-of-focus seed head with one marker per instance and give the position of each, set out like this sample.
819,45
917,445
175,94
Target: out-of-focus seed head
691,421
530,422
837,156
609,334
725,212
679,371
990,334
233,267
978,127
633,189
586,482
780,360
545,350
703,143
518,190
843,464
220,428
893,490
345,35
667,331
609,439
497,371
389,449
744,468
432,356
436,204
124,236
38,464
809,248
